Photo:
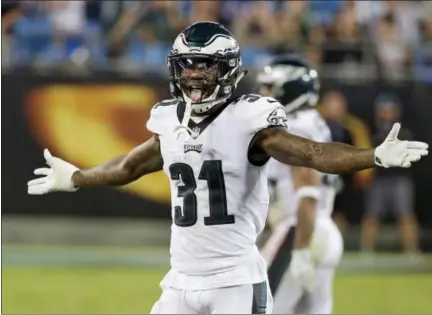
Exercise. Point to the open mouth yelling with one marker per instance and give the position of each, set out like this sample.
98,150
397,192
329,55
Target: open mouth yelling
196,95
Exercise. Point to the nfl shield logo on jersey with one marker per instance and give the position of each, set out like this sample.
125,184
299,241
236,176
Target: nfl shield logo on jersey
195,132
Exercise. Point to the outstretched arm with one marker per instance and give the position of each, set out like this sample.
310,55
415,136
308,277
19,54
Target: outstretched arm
63,176
143,159
338,158
290,149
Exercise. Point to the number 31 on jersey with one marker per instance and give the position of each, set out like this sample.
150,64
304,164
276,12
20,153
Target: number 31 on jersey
211,171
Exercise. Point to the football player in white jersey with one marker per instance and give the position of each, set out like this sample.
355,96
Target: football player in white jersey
215,148
307,198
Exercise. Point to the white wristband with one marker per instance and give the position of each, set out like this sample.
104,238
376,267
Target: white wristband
308,191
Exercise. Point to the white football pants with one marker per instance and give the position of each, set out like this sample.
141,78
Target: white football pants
291,299
326,249
242,299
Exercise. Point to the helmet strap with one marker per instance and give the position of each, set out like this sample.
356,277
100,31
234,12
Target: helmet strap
297,103
183,130
239,77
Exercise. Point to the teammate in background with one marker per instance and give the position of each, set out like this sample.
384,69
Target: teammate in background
307,199
215,148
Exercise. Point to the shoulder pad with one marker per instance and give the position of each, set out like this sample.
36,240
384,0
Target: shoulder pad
252,98
260,112
156,123
169,102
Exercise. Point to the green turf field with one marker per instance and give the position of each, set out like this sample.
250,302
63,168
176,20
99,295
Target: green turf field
62,290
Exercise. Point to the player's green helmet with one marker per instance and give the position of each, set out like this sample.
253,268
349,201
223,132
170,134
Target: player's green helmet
204,66
290,80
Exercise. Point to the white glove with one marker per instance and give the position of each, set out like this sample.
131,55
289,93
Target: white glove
396,153
302,269
56,178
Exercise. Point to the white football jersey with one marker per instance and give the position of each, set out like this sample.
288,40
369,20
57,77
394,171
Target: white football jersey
219,199
308,124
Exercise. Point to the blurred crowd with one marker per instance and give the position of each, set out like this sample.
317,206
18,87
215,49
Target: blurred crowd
390,38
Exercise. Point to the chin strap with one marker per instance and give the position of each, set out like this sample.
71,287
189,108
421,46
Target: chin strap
240,76
183,129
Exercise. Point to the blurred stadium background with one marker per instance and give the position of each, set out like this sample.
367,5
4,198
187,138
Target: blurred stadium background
80,77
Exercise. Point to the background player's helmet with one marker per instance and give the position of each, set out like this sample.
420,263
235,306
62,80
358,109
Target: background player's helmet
291,81
204,66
